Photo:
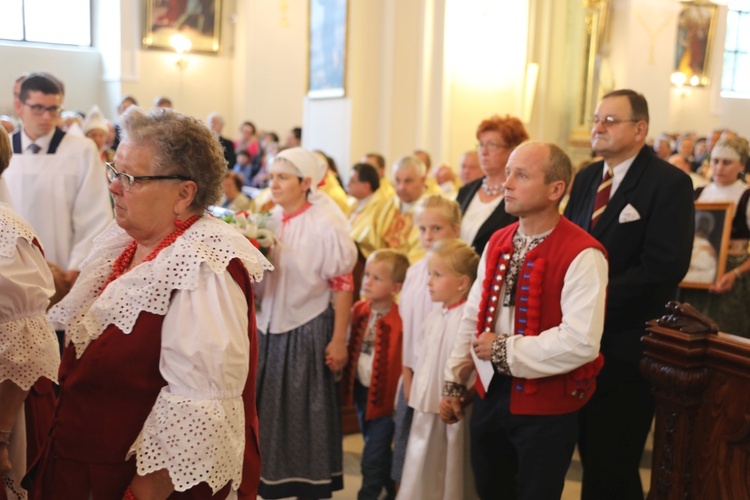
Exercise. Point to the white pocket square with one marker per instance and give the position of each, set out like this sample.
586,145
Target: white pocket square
629,214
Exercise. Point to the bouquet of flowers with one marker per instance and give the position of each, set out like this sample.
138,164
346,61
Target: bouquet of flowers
254,227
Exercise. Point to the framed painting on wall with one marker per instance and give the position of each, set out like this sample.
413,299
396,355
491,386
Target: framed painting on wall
695,33
197,20
327,58
713,225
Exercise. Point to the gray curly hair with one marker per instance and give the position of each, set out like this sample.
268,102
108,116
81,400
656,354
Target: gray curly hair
183,146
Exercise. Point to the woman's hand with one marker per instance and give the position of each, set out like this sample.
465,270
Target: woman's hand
336,355
725,283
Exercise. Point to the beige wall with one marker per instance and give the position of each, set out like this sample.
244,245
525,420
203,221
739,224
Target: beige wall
420,73
79,69
269,70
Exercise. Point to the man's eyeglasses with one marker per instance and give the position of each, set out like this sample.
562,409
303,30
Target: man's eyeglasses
39,110
490,146
127,180
608,121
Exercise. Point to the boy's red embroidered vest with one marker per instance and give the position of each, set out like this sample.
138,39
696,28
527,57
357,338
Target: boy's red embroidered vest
386,368
537,308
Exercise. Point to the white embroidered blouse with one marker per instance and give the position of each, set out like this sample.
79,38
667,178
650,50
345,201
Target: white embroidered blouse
28,345
312,247
205,373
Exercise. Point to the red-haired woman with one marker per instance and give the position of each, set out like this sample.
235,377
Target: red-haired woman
482,206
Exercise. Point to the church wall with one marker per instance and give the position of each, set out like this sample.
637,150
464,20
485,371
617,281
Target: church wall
419,74
79,69
268,78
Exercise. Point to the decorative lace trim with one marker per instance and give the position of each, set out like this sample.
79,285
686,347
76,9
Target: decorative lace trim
453,390
195,440
499,355
147,287
28,351
12,227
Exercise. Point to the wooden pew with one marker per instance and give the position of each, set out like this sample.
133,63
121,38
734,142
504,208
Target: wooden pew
701,382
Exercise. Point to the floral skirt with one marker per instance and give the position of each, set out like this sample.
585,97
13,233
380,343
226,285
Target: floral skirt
298,413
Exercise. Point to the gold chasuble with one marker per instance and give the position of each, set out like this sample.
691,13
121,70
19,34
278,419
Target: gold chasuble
398,230
386,189
364,232
432,187
332,188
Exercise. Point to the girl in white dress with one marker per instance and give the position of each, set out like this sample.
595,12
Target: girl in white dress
437,219
437,462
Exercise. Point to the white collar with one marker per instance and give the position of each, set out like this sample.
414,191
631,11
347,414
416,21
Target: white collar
148,286
43,141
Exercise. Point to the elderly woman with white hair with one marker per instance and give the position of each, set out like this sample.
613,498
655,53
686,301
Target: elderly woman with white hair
303,338
157,379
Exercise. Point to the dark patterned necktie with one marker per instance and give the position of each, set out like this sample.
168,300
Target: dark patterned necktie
602,197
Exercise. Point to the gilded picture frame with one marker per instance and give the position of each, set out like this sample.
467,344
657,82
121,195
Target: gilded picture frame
696,29
197,20
713,226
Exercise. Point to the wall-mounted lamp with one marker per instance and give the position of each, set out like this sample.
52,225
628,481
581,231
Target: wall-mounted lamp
182,46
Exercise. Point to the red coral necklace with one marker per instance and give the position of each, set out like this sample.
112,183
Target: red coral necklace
122,263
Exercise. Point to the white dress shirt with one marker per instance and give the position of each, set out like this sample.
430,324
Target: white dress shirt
555,351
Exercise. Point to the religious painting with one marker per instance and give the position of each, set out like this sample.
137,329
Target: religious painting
327,58
713,225
197,20
695,33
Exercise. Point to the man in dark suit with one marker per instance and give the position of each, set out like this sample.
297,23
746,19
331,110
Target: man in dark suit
641,209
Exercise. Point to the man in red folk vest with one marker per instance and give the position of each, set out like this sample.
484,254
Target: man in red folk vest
531,330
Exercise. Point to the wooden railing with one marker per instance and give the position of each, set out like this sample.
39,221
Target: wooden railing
701,381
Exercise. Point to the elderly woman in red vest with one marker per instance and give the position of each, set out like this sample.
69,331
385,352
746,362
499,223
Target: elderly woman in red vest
157,381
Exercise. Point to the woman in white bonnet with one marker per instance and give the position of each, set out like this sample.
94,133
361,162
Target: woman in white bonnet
302,335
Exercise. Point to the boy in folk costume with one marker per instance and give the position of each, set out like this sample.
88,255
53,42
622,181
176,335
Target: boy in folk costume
372,374
532,324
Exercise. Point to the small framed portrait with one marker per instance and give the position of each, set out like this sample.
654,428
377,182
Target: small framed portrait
197,20
713,225
695,33
327,58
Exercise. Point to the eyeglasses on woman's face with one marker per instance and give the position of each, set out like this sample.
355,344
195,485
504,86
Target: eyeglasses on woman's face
127,180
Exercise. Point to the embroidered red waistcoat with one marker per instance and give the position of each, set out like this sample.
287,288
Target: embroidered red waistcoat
386,365
538,308
104,402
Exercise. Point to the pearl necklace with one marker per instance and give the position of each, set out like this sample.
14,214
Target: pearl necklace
122,263
491,190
